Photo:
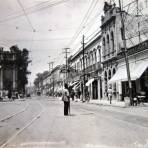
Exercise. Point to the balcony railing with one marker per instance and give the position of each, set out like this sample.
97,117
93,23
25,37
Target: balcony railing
94,67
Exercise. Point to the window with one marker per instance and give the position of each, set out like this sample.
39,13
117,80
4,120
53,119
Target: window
105,82
86,62
92,56
109,74
114,71
112,40
104,47
108,46
95,55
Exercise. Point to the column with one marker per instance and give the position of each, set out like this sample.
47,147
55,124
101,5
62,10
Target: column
1,78
91,91
99,97
14,79
120,90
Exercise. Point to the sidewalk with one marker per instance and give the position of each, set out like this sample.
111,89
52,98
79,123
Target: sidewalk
115,103
107,102
118,106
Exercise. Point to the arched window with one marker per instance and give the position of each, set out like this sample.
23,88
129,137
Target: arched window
108,46
105,76
95,54
104,46
112,40
81,65
114,71
105,82
77,65
88,60
85,61
99,53
92,56
109,74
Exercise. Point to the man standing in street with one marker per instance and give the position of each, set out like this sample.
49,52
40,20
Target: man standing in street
66,99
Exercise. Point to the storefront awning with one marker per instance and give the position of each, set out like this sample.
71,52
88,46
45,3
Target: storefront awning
77,86
89,82
136,71
74,83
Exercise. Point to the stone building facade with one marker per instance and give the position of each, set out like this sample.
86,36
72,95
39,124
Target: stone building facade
8,71
111,44
92,67
113,58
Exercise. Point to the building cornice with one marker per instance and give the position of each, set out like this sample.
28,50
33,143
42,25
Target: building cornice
133,50
89,44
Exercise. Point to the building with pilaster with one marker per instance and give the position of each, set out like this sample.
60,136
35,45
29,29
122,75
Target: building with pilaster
8,71
111,39
113,56
91,68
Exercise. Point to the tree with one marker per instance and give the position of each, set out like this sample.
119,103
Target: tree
22,61
39,78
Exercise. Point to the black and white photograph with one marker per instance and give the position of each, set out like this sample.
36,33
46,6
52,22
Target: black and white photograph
73,73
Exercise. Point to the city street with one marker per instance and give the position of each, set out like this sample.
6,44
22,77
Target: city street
39,122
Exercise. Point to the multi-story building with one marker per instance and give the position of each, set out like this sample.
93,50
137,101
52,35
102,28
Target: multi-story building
111,43
8,70
114,69
53,82
91,67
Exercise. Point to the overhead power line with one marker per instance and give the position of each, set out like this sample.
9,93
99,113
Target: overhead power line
19,2
85,18
30,11
35,40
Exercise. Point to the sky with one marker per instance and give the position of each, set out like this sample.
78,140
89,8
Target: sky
46,27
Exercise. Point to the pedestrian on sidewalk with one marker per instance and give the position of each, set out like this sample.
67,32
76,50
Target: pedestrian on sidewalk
66,99
110,93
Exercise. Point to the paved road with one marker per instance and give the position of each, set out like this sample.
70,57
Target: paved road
40,124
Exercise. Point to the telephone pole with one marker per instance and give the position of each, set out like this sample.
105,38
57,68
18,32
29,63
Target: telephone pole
83,48
66,62
125,53
137,3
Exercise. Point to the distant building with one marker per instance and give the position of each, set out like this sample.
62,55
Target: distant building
53,81
8,71
13,69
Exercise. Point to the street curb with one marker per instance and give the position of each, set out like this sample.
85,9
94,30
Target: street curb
12,115
101,104
109,105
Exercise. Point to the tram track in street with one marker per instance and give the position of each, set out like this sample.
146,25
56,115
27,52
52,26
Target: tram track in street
20,130
14,114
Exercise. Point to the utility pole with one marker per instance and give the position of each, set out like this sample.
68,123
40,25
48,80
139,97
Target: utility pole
83,48
66,62
137,1
125,53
